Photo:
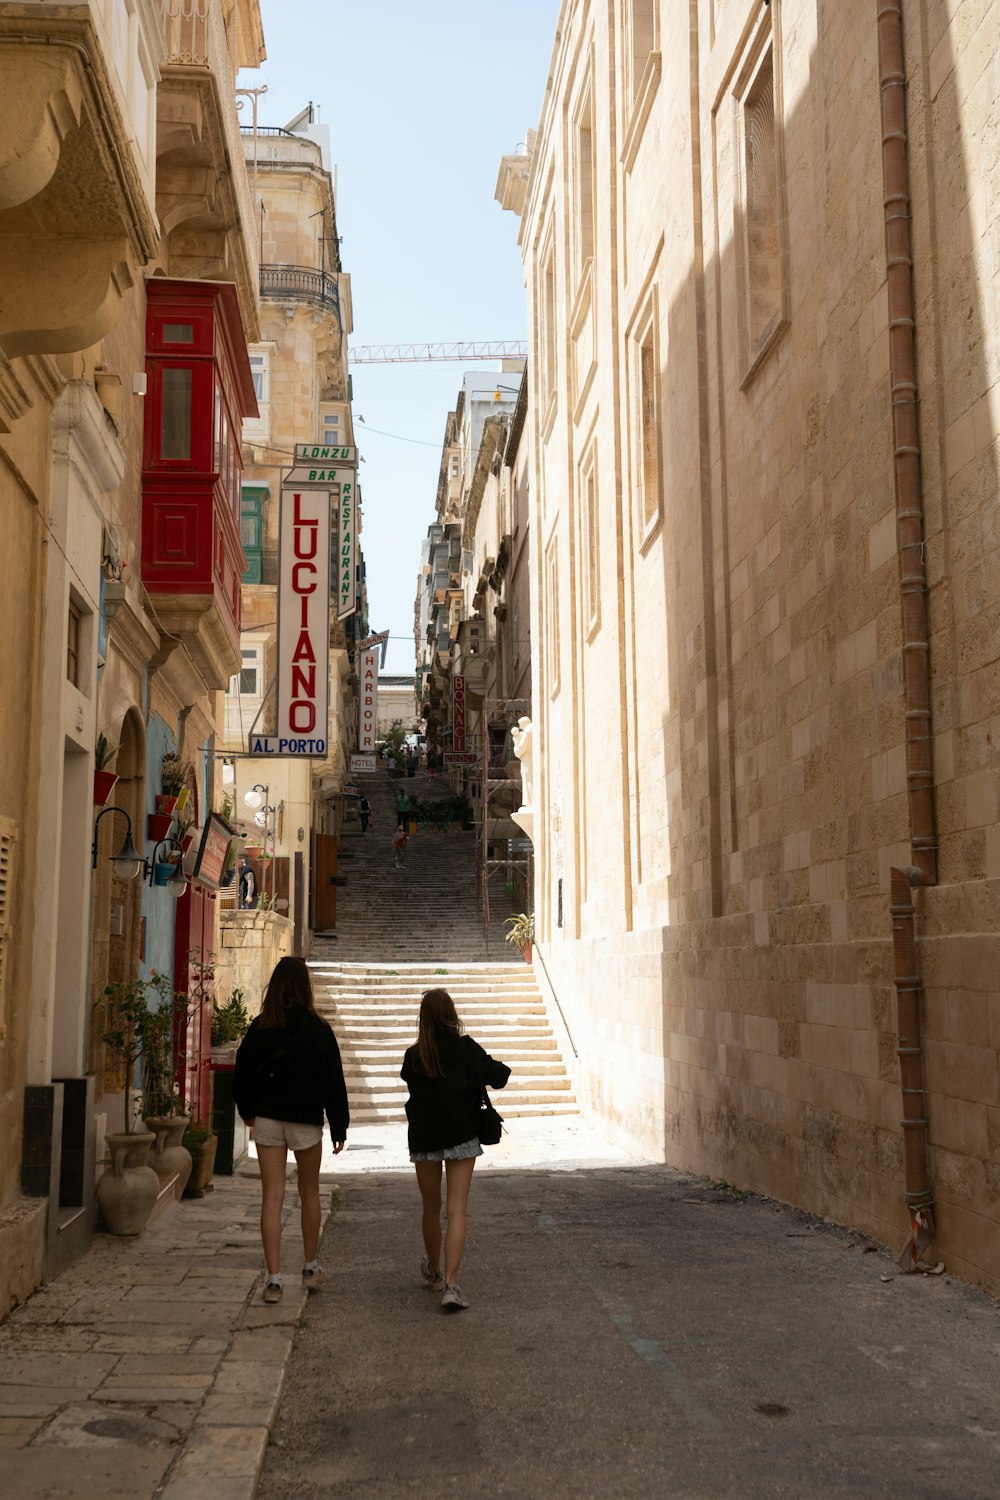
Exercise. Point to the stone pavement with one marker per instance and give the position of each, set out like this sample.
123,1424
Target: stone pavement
150,1367
634,1333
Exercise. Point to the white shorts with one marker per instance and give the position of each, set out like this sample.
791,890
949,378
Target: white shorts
286,1133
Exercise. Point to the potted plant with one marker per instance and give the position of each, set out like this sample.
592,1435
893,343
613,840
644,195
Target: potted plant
160,1095
202,1144
173,776
229,1023
128,1189
104,779
522,933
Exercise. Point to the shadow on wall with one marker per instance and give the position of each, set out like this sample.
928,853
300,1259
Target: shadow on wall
783,624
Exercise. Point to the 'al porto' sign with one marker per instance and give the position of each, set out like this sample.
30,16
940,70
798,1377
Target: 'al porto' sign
347,591
368,700
458,713
303,626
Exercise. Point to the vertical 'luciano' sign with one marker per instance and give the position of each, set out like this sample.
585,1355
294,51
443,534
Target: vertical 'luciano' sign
303,624
347,560
368,699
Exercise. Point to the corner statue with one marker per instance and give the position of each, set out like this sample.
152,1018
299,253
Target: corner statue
521,736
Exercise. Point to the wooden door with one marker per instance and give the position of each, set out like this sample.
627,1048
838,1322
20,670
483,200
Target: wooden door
324,891
194,940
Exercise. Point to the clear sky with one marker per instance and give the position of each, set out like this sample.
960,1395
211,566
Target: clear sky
422,100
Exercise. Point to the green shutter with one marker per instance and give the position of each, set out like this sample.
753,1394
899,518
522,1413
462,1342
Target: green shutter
252,531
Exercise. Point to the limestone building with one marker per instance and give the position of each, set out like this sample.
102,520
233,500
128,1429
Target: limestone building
748,495
130,287
302,385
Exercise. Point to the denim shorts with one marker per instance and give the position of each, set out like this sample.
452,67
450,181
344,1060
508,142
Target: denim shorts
453,1153
286,1133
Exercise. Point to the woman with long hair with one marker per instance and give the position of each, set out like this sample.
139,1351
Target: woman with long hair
288,1074
445,1072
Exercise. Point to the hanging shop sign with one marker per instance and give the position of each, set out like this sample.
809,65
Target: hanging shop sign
362,763
216,857
323,453
304,475
368,701
461,757
303,627
347,513
381,640
458,713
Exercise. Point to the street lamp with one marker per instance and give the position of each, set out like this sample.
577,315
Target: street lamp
257,800
128,861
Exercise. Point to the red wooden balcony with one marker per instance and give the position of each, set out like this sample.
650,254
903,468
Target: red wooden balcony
199,389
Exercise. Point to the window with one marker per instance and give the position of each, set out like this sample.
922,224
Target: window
252,531
759,206
547,320
331,430
177,333
585,183
175,426
552,615
261,372
74,623
247,682
647,447
641,42
589,543
258,429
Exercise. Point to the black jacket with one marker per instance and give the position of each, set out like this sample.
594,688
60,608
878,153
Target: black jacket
444,1112
294,1074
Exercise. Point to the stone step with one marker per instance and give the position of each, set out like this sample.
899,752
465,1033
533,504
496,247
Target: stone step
366,1115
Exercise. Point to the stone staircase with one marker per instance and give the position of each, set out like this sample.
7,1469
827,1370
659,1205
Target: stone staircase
401,932
374,1013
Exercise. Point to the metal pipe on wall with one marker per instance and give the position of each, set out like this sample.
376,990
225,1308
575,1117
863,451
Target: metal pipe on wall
918,1192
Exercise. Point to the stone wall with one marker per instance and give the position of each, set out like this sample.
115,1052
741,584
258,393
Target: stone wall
250,944
718,648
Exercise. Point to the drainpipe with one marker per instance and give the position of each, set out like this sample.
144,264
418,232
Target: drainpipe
918,1192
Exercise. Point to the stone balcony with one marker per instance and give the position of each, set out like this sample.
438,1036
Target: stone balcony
77,217
203,196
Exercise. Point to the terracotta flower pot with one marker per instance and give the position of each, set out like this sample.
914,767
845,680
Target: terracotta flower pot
168,1155
103,784
128,1189
158,826
201,1174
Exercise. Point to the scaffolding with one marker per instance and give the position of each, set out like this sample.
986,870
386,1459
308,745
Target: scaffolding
500,714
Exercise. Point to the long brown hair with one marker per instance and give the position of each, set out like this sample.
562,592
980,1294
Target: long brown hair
438,1020
288,986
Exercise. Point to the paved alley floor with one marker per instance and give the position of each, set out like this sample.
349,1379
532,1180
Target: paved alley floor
151,1367
633,1332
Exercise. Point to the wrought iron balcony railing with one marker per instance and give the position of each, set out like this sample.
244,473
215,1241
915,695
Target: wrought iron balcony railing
300,283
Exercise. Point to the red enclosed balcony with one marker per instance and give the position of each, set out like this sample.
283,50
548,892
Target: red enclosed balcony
199,389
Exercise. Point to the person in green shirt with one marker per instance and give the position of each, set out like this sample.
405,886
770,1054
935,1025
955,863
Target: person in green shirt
402,810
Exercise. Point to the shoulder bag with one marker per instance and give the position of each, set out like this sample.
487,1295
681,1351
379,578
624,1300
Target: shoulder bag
490,1122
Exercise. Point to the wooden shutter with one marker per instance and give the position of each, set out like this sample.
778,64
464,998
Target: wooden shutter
8,837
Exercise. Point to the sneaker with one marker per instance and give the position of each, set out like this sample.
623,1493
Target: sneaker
433,1280
452,1300
314,1280
273,1291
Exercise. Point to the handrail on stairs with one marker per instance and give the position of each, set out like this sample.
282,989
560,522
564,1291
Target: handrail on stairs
548,978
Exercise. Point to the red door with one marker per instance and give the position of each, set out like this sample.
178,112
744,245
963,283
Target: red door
194,937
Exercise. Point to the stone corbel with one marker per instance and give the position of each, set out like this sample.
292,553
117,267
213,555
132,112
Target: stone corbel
69,307
49,103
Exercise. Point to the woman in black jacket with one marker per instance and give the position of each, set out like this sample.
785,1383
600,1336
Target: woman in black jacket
288,1073
445,1073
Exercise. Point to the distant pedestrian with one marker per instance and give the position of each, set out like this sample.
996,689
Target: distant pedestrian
402,810
248,885
288,1073
445,1072
364,812
399,846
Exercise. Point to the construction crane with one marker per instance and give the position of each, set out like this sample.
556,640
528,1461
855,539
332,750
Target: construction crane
412,354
